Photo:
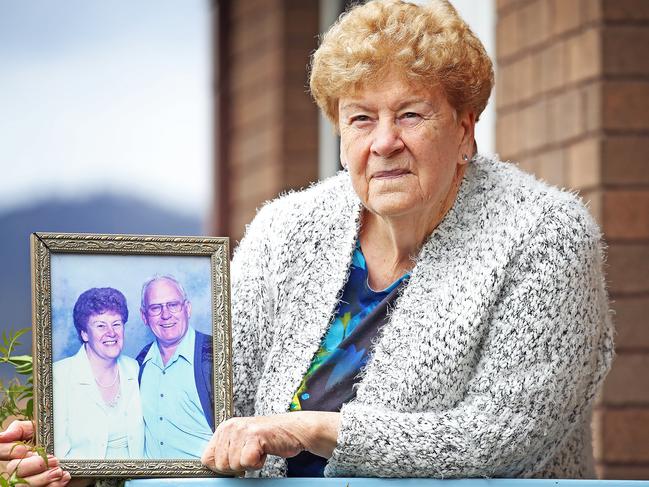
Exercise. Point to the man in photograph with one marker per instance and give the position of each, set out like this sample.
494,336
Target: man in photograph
175,374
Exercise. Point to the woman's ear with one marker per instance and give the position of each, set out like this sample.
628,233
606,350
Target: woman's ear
467,142
84,336
343,159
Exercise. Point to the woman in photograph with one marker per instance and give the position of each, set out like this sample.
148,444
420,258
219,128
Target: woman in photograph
97,410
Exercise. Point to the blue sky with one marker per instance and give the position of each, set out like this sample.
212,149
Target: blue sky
105,96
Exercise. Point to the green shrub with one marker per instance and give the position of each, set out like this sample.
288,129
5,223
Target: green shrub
17,396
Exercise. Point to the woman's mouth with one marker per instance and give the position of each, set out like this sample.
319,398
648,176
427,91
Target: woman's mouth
393,173
110,342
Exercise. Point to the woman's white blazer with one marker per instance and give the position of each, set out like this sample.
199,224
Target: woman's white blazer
81,425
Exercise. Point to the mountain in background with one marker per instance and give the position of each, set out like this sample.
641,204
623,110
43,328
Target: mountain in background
106,213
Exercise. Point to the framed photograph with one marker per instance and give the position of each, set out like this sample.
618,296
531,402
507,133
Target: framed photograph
132,357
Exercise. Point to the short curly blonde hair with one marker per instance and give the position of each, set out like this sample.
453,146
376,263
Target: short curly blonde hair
431,45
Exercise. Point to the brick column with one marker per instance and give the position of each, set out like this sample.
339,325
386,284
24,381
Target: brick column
268,125
573,107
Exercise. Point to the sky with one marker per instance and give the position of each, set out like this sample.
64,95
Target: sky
105,96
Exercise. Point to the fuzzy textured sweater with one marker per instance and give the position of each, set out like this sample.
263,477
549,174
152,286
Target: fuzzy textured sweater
491,357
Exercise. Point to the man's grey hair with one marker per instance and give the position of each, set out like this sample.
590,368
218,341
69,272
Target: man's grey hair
167,277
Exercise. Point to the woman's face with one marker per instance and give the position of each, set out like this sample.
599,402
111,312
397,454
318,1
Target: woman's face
402,146
104,335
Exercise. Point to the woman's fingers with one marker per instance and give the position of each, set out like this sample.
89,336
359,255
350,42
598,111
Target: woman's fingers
221,445
27,464
222,453
54,477
252,456
36,473
17,431
234,453
215,455
63,482
12,450
243,443
245,451
207,458
31,465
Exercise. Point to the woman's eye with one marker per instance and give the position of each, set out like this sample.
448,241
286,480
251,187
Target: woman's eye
359,119
409,118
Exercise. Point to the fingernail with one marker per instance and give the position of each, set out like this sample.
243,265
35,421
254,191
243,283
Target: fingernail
55,474
66,477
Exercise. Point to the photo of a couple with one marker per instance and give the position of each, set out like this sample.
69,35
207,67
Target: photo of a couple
150,399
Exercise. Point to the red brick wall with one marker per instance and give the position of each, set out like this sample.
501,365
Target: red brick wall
573,107
268,129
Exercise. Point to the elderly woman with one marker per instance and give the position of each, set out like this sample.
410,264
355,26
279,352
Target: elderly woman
97,409
428,312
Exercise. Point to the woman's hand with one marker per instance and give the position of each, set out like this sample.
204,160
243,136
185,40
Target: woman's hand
27,464
241,444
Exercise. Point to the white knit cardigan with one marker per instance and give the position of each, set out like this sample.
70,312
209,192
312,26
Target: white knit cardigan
491,357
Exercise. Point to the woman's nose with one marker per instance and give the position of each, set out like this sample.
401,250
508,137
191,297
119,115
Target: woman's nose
387,139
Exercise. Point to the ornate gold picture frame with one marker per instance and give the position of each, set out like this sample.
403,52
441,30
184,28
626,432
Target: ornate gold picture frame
132,351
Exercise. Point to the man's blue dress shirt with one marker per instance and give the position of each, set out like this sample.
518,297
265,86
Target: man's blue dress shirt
175,425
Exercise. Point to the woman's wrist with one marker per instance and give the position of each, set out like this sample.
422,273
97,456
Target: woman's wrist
318,431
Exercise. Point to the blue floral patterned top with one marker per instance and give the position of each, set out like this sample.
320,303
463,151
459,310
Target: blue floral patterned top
344,351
